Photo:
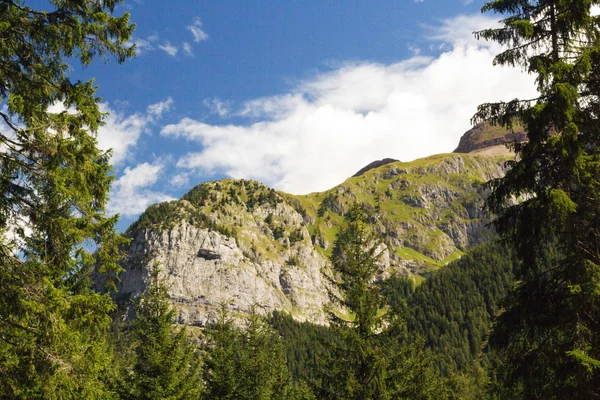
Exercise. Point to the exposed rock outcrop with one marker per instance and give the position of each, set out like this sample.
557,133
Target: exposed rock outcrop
205,268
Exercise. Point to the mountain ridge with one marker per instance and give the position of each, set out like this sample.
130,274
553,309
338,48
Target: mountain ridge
374,164
242,242
485,135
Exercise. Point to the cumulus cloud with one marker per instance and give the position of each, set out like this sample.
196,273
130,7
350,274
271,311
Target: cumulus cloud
328,127
131,193
197,32
121,132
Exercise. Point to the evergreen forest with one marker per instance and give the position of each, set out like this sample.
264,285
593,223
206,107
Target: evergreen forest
516,317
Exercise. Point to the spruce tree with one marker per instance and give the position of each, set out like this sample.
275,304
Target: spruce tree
247,363
165,364
548,204
54,183
371,362
219,369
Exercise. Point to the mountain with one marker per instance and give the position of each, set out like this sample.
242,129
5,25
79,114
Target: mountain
240,242
374,164
488,139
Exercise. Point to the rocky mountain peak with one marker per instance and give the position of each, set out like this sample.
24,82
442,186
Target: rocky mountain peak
374,164
486,136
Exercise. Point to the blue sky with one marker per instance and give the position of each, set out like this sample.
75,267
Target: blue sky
296,94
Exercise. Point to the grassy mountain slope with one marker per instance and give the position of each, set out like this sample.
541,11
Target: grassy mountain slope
428,211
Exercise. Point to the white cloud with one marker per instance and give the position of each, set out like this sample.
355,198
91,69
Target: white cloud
144,45
169,49
197,32
130,194
59,106
14,236
187,49
217,106
180,180
151,43
121,132
414,50
159,108
327,128
458,31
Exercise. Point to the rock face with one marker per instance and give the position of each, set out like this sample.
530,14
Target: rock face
484,135
244,244
205,267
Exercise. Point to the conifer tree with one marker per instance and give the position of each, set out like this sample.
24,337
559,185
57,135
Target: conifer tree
54,183
548,338
371,363
247,363
165,364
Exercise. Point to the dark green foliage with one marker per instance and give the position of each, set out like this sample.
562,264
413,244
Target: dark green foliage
354,261
454,308
278,232
54,183
247,364
269,197
304,344
233,195
165,215
296,236
159,361
269,219
216,195
549,337
396,290
200,195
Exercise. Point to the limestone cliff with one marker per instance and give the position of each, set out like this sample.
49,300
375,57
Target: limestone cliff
240,242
